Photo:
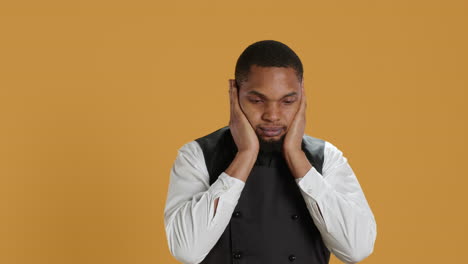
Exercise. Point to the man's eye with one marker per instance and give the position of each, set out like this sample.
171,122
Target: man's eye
255,101
289,101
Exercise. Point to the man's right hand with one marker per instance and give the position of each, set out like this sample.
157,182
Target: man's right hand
244,136
242,131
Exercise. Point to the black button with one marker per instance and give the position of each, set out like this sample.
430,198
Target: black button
236,214
294,217
292,258
237,255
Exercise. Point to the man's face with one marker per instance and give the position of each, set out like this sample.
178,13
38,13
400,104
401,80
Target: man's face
270,99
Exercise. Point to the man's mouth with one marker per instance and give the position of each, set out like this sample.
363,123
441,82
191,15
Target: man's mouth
271,131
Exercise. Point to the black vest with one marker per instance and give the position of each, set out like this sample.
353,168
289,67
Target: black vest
271,223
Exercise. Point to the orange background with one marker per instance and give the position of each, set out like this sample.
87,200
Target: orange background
96,97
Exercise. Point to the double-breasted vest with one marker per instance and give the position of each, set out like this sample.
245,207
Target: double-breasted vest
271,223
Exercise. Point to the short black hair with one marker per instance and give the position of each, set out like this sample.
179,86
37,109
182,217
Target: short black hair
267,53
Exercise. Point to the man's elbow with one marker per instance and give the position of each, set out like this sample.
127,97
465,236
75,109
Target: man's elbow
184,254
359,255
181,253
363,251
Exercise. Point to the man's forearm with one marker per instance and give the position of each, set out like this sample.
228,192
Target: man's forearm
242,165
297,163
240,168
337,205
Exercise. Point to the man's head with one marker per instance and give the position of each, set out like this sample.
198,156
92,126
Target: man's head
269,76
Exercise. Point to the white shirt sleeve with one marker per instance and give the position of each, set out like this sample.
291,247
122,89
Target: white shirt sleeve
339,208
192,227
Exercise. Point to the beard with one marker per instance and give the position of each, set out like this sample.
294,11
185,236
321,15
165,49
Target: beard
270,146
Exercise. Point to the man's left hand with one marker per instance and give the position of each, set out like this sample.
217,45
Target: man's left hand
292,145
293,139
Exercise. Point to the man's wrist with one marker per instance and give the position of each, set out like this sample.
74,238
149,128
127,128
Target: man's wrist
297,162
291,154
242,164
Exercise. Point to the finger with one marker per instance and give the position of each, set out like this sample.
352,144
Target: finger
304,111
303,100
305,97
231,100
235,96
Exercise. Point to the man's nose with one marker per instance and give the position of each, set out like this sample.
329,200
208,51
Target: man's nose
271,112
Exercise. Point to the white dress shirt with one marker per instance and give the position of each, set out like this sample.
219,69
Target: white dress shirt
345,220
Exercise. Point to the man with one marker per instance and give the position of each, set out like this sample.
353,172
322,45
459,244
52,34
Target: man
261,191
